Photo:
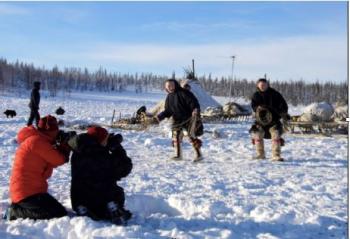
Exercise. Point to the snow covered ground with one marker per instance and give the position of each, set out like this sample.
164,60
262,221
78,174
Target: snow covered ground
228,195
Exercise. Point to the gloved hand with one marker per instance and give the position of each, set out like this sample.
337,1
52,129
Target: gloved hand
65,149
285,117
195,112
155,120
160,117
114,141
152,120
285,121
259,108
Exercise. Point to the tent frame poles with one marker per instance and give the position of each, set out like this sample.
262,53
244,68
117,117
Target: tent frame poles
233,61
194,76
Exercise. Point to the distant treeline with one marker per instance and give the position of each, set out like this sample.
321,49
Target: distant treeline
295,92
20,76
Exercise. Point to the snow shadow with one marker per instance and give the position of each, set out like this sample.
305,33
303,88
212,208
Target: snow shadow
327,227
5,235
318,163
146,205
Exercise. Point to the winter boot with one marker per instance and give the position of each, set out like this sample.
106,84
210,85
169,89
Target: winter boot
259,147
82,211
85,212
125,214
276,150
198,156
114,214
257,135
276,145
177,137
178,151
197,144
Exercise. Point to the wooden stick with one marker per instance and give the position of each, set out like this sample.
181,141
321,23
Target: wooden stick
112,117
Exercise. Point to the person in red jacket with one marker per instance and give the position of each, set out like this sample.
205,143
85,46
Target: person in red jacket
34,161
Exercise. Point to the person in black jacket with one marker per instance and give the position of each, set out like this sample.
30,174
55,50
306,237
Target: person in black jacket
269,107
97,162
34,104
184,108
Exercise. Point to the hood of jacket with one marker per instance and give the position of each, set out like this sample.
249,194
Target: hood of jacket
31,131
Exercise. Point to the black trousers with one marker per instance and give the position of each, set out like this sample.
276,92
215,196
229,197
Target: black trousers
34,114
38,206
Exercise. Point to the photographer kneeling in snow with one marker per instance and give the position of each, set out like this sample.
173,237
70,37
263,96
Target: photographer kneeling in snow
34,161
183,107
269,107
98,161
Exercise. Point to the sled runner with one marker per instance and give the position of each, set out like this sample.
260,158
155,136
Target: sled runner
326,128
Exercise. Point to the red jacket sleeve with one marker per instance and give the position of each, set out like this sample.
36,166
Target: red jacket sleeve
47,151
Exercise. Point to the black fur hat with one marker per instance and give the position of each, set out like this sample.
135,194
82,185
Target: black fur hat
177,84
36,84
261,80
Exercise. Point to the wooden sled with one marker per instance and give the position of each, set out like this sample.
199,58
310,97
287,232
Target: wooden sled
325,128
137,122
226,119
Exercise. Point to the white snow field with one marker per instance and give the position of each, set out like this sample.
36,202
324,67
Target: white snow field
227,195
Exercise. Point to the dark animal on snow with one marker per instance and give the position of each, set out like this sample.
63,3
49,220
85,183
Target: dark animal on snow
10,113
60,111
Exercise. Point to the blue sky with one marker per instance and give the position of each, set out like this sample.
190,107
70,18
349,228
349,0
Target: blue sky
286,40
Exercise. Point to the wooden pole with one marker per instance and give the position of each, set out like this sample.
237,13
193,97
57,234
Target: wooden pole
112,117
194,75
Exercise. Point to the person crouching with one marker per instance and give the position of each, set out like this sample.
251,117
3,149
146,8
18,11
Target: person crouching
34,161
97,162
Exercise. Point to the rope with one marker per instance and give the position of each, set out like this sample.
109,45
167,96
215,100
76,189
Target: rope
193,126
263,116
182,124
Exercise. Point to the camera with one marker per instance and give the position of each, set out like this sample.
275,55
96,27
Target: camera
63,137
114,140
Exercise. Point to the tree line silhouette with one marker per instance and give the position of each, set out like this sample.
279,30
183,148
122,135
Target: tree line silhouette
20,76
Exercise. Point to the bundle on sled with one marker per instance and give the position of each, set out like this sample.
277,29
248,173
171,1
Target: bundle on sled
139,121
231,111
212,114
320,118
234,110
340,112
